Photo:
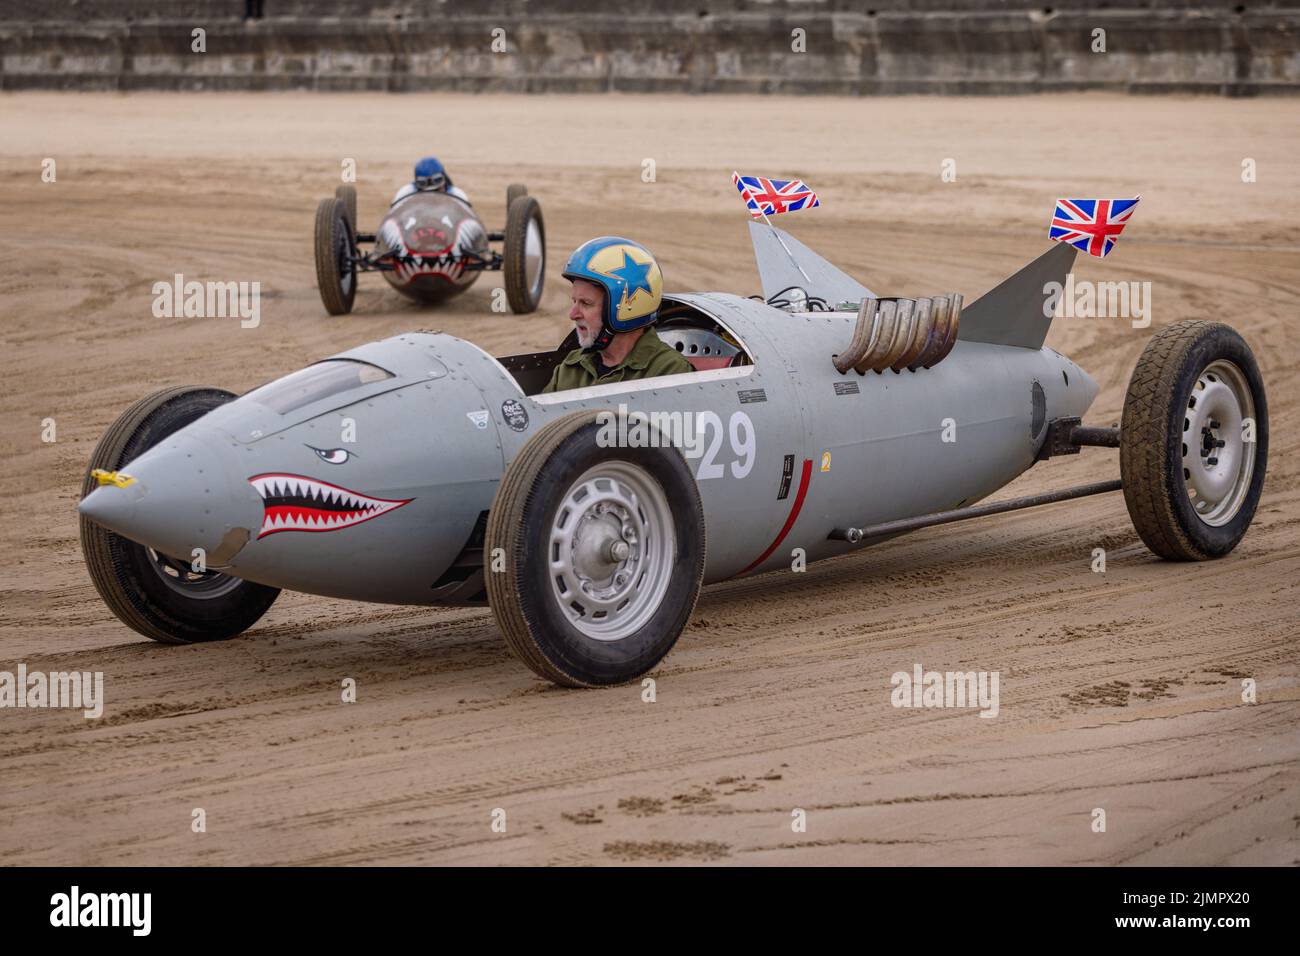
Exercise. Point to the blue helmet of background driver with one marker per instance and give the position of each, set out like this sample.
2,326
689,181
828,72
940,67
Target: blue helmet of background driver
631,279
430,174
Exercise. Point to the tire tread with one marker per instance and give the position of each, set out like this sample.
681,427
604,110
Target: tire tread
132,609
1152,479
329,214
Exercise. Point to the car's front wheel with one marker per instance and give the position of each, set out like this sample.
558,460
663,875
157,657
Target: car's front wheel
603,554
336,276
162,597
524,255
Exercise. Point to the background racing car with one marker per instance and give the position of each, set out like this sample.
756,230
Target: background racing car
430,246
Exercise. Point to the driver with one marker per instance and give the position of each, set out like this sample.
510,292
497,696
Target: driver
430,176
617,288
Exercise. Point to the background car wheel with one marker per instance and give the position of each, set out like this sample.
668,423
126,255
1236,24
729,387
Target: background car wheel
525,254
1192,479
162,597
513,192
604,554
348,196
336,277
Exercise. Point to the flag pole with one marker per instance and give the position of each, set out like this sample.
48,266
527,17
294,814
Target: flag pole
775,231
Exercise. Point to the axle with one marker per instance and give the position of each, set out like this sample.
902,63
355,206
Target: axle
855,535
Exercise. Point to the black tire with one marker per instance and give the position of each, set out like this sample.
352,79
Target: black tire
524,213
1183,365
525,597
513,192
128,576
348,196
336,277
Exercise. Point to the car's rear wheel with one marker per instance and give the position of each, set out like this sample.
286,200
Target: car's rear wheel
1194,441
603,554
163,597
336,276
525,254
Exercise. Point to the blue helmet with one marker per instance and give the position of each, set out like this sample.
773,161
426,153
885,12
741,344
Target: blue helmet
629,275
430,174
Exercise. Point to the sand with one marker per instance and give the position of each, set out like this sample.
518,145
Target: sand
1119,691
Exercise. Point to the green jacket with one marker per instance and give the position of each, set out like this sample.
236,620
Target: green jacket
649,357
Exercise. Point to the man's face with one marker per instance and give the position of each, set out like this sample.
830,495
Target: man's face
588,301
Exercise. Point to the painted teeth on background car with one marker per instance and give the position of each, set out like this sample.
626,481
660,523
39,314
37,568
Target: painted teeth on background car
299,503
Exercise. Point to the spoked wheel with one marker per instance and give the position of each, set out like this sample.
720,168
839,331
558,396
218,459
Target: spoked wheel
1194,441
159,596
336,276
181,577
525,254
604,554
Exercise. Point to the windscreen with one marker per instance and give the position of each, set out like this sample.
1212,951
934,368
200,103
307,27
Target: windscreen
316,382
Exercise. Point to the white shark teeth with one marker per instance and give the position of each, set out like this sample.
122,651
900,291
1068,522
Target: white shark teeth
305,504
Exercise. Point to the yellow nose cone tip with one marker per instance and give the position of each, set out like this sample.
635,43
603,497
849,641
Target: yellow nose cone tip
119,479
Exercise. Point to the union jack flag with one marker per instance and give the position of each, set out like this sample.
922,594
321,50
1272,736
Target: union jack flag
768,197
1092,225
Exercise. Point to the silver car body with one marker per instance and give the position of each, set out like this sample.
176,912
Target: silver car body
376,487
435,233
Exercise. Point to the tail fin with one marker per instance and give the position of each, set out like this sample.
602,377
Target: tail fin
784,261
1015,312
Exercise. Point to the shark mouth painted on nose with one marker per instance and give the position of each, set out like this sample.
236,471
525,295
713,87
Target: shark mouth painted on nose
299,503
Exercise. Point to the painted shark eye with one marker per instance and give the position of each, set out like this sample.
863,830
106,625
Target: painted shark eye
334,456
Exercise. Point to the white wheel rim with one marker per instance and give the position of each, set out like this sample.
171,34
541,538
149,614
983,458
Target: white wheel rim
1218,464
534,259
344,247
612,547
